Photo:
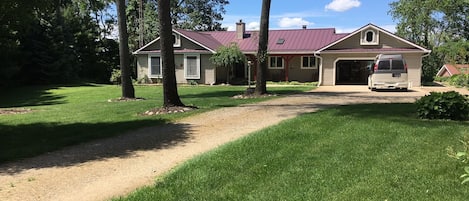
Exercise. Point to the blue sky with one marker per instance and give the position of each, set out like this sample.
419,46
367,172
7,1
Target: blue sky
344,15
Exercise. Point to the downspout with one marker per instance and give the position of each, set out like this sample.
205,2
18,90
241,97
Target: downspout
316,54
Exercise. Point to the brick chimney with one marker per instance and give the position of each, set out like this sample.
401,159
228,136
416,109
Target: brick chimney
240,29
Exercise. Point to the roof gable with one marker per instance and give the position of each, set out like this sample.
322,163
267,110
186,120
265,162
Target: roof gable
200,42
454,69
384,37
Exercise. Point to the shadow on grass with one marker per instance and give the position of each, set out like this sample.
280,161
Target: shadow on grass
29,140
33,95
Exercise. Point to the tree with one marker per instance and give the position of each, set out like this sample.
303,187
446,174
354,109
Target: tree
228,56
52,42
170,92
262,55
200,15
439,25
126,81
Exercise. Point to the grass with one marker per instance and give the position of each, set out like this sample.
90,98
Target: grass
67,115
360,152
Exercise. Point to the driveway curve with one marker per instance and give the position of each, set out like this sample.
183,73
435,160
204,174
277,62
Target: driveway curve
106,168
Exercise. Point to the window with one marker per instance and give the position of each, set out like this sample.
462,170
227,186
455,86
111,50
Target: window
155,70
369,37
192,66
176,40
309,62
276,62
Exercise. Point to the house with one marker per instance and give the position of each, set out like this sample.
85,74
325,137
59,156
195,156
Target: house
303,55
449,70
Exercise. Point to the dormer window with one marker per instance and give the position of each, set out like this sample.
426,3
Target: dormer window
176,40
369,37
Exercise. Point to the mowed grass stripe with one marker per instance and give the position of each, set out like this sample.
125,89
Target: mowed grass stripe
360,152
68,115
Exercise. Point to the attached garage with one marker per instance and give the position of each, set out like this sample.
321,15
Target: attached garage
347,60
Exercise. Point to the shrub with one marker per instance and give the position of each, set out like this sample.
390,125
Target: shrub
115,76
446,105
460,80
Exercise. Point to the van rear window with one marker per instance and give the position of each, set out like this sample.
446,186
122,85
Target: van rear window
397,65
391,65
384,65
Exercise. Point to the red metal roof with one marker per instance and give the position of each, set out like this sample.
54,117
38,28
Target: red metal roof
295,41
455,69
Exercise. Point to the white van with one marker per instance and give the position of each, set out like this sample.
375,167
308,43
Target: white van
389,71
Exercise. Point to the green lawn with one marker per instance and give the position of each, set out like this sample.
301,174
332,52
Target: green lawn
362,152
69,115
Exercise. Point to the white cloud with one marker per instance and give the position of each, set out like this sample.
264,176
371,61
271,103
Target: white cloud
229,28
342,5
253,26
288,22
346,30
390,28
249,26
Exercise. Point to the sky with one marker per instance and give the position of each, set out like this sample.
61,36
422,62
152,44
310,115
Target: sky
344,15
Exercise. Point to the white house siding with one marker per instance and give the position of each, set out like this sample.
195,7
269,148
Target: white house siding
414,68
328,70
142,66
179,61
207,69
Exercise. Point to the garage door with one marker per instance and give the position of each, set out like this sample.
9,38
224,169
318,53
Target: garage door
352,72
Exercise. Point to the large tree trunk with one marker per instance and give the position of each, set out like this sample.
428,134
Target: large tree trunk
170,91
127,87
261,87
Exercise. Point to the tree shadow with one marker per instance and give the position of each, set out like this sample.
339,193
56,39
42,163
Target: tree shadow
44,138
34,95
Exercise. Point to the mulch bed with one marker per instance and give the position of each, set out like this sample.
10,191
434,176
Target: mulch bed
168,110
9,111
122,99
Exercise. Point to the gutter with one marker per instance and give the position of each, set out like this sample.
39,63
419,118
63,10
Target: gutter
317,55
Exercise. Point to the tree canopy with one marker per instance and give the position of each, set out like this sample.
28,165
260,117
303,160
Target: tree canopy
55,41
440,25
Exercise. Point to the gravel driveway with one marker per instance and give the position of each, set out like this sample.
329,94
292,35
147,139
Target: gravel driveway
106,168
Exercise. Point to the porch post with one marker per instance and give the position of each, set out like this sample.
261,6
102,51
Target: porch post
286,68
